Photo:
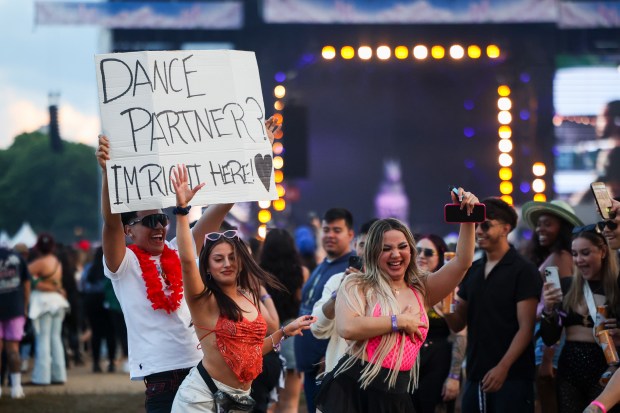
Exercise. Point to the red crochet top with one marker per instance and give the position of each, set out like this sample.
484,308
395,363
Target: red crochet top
241,344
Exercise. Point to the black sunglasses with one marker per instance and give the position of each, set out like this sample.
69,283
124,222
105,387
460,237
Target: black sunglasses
485,225
611,225
426,252
151,221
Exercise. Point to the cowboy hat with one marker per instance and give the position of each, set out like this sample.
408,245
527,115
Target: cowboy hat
531,210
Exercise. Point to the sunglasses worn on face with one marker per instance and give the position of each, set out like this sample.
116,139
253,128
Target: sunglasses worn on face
485,226
151,221
214,236
611,225
426,252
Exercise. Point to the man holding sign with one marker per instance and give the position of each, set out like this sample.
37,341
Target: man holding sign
144,146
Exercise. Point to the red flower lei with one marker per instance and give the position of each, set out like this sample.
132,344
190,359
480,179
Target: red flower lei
171,267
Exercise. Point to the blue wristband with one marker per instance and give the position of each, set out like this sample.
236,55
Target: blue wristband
394,324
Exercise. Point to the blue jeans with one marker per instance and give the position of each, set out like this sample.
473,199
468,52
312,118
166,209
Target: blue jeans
49,361
515,396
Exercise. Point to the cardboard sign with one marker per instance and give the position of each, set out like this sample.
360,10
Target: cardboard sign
200,108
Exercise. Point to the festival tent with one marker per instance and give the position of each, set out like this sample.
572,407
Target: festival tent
24,235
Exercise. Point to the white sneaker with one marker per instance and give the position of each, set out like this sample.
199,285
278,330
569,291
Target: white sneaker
17,392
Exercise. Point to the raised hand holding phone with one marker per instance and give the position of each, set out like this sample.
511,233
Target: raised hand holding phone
602,198
465,207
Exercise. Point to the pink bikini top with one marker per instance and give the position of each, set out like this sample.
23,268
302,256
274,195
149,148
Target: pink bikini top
411,349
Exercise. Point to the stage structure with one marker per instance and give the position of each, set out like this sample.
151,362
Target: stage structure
455,93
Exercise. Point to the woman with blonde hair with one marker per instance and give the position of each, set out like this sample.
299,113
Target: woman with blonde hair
381,313
571,307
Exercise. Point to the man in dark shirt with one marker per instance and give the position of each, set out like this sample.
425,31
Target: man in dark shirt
14,294
337,234
497,302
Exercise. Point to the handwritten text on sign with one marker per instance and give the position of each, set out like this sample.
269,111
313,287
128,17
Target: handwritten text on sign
201,108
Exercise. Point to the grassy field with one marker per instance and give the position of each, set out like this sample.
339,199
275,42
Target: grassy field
71,403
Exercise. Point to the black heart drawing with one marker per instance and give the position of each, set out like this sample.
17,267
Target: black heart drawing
264,166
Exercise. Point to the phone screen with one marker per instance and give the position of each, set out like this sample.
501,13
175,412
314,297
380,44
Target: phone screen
453,213
602,197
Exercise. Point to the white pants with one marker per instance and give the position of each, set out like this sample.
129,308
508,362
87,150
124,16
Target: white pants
194,395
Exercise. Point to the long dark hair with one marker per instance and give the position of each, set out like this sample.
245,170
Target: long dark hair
538,254
279,256
250,278
440,246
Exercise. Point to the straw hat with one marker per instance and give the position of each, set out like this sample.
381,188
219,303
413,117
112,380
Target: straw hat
531,210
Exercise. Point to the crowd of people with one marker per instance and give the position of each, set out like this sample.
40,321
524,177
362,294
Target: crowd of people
384,320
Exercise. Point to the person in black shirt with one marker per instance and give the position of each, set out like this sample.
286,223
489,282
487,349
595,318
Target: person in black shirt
497,302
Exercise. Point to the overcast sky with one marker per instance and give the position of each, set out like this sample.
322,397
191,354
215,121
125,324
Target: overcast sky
38,60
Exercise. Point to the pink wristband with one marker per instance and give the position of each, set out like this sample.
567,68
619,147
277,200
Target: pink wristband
599,405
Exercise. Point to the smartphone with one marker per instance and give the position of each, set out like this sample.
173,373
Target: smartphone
355,261
603,199
454,214
552,276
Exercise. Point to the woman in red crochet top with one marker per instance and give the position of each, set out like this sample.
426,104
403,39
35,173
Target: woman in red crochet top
222,296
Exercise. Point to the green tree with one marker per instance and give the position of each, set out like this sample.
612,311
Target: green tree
55,192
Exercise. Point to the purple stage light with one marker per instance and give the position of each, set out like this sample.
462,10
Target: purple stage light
468,132
468,104
280,77
524,187
524,114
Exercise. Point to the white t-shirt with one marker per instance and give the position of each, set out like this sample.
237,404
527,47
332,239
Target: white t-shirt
158,341
325,328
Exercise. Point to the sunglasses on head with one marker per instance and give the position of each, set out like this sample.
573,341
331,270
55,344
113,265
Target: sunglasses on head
587,228
214,236
151,221
611,225
426,252
485,225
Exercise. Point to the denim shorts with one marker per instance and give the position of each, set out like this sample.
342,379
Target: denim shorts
13,328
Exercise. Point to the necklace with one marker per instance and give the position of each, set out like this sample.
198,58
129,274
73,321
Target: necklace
171,274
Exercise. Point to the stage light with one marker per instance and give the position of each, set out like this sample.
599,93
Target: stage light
540,197
278,162
505,160
278,105
525,187
347,52
492,51
505,187
420,52
401,52
262,231
469,132
505,174
503,90
504,132
474,51
539,169
364,52
279,91
384,52
264,204
438,52
504,117
278,176
524,114
539,185
279,204
278,118
264,216
328,52
505,145
504,103
280,189
278,134
278,148
457,51
280,77
507,199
